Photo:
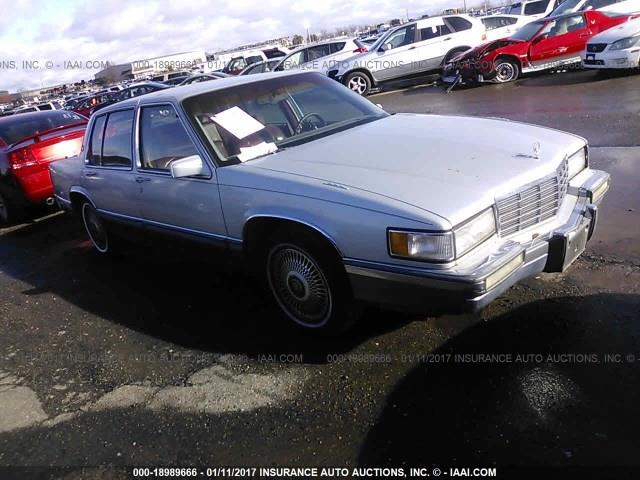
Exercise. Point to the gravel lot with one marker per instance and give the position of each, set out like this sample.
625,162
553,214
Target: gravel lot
155,357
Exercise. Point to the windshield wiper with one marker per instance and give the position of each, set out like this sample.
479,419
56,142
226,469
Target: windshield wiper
328,130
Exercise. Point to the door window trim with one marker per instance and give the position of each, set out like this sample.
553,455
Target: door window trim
211,165
107,115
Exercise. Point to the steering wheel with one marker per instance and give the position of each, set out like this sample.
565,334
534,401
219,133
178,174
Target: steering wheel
298,130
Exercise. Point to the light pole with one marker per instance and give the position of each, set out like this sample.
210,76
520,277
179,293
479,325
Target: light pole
306,26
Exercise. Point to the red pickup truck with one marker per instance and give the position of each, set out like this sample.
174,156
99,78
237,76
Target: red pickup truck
29,142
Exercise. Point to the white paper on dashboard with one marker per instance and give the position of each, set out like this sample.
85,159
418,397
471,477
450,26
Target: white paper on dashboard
264,148
238,122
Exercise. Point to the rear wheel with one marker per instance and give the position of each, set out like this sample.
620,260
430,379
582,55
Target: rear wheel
358,82
95,228
9,215
506,70
308,281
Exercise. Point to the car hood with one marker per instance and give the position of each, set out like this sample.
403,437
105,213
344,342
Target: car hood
450,166
627,29
493,45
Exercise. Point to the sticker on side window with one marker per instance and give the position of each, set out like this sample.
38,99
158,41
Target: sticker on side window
237,122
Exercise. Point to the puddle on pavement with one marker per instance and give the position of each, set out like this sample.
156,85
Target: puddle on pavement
619,221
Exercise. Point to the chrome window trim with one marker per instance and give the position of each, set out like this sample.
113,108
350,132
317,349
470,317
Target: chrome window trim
106,122
211,165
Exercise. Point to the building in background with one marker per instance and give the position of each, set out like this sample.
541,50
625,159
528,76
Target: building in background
140,69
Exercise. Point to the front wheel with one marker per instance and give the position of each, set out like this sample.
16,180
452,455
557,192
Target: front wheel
358,82
95,228
309,283
506,70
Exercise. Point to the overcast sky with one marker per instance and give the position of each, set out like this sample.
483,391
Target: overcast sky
58,31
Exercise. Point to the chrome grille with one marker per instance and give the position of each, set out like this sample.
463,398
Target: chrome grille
534,204
596,47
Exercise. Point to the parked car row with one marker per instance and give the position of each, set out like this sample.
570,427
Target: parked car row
545,44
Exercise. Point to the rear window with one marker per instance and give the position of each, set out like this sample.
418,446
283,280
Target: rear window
18,127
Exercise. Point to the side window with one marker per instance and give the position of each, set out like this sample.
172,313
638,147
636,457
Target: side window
253,59
337,47
319,51
293,60
163,138
565,25
401,37
458,24
259,68
116,146
536,8
94,152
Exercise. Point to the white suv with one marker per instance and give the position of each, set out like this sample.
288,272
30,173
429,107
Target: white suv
411,49
322,56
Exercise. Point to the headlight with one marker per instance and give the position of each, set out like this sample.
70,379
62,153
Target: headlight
475,231
578,162
625,43
421,245
443,246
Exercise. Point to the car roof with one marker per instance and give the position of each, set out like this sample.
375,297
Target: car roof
143,84
181,92
323,42
43,113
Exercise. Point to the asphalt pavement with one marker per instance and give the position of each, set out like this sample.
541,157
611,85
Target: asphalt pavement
158,357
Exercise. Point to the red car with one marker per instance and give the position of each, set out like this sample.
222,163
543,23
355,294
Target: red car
29,142
88,105
541,45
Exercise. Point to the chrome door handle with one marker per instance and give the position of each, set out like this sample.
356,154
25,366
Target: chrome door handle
446,39
91,174
142,179
411,48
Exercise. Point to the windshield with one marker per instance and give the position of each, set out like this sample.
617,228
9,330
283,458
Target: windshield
18,127
528,31
247,121
566,7
382,38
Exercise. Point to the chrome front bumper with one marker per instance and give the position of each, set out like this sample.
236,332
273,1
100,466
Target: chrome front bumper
424,289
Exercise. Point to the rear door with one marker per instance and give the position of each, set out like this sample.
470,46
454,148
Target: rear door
108,169
435,40
559,41
188,205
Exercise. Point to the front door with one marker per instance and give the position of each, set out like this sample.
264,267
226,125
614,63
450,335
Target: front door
559,41
394,57
188,205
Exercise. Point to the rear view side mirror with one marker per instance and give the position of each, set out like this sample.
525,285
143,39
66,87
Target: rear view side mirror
383,48
191,166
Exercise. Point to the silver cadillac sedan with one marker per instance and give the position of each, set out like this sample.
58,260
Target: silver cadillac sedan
331,200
